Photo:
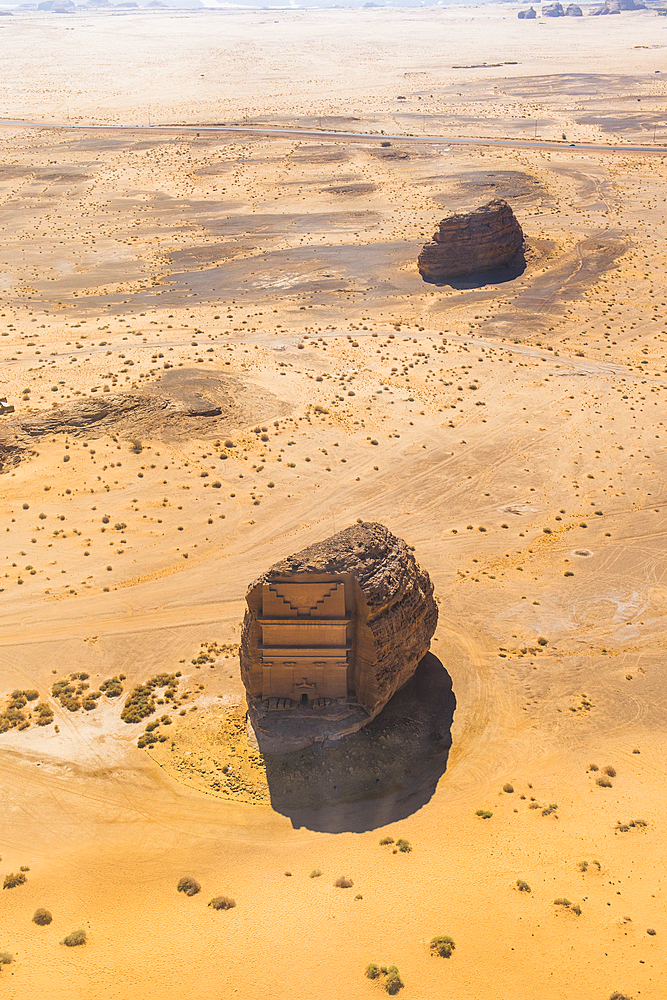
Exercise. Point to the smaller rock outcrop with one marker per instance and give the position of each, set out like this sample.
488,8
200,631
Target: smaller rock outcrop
528,15
553,10
573,10
487,238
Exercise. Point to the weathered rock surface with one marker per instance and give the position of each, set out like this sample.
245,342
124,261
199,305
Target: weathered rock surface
487,238
527,14
392,616
553,10
616,6
573,10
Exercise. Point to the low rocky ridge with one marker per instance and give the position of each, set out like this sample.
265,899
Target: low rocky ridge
396,617
182,404
465,243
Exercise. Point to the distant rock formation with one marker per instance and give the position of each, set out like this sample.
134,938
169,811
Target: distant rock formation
487,238
573,10
527,14
330,634
616,6
553,10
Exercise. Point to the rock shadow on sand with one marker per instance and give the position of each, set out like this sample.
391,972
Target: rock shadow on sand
379,775
481,279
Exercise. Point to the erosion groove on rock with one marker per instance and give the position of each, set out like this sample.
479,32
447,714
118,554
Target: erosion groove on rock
331,633
487,238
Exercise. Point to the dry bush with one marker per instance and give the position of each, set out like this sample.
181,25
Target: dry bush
75,938
443,946
522,886
14,879
190,886
42,917
343,883
222,903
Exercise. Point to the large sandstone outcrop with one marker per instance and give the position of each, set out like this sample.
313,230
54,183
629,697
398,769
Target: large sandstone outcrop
330,634
487,238
553,10
527,14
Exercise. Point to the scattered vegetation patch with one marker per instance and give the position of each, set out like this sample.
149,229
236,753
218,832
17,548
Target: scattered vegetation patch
222,903
112,687
386,840
392,980
342,882
42,917
604,783
16,714
75,939
5,958
190,886
522,886
404,846
484,814
315,873
550,809
209,652
508,788
14,879
442,945
141,700
631,824
73,692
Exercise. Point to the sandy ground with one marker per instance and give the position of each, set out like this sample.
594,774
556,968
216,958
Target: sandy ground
512,433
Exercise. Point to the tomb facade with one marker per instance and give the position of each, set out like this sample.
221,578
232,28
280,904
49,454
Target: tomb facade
331,633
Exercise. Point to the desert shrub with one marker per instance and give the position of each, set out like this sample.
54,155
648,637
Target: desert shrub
386,840
562,901
550,809
315,873
112,687
651,931
24,868
610,772
6,958
619,996
522,886
593,767
575,908
137,446
14,879
604,783
442,946
583,866
222,903
484,814
358,896
343,883
372,971
141,700
393,983
190,886
75,938
404,846
42,917
508,788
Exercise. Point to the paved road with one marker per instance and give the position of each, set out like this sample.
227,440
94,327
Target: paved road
348,136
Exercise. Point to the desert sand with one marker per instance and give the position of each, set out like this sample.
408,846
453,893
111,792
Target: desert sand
511,432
